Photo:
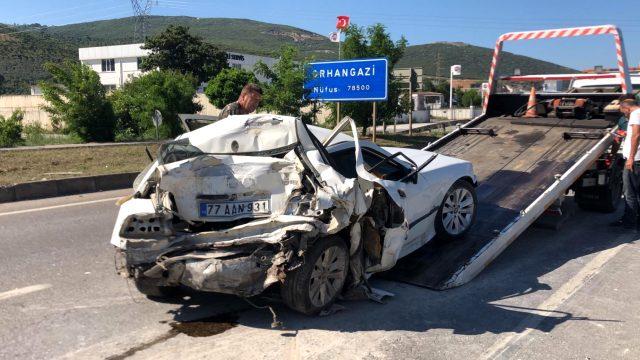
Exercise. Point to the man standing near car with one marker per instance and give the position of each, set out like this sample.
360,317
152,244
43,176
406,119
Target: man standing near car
247,102
631,173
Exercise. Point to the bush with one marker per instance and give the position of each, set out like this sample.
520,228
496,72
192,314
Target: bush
471,97
169,92
11,129
35,135
227,85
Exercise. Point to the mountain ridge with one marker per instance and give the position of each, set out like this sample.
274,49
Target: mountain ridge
33,45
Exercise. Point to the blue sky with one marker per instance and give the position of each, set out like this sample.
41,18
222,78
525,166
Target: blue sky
474,22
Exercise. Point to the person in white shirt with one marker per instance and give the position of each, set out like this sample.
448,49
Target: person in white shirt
631,173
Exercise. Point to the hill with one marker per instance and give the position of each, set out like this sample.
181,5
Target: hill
241,35
24,52
437,58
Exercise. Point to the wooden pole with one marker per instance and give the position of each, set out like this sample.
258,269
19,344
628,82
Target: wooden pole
373,134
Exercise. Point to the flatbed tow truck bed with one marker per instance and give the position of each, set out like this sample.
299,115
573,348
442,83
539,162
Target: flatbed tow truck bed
523,164
514,168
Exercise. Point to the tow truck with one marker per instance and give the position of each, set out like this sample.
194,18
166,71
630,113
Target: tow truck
525,164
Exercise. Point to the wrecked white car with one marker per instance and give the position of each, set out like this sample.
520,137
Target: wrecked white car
256,200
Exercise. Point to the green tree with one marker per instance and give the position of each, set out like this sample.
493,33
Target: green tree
284,93
375,41
176,49
428,85
471,97
227,85
77,101
443,88
168,91
11,129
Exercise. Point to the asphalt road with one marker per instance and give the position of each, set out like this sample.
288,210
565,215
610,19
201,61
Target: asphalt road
568,294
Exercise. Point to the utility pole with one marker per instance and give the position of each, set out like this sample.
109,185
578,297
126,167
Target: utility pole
141,10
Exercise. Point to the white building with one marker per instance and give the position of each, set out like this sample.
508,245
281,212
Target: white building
118,63
115,64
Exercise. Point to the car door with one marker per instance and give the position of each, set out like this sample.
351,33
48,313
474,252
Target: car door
410,194
418,203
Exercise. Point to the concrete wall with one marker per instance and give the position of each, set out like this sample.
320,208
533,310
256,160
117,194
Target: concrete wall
457,114
424,116
207,107
30,104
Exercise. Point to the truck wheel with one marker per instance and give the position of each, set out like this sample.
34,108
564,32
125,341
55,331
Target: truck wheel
316,284
457,213
606,199
149,288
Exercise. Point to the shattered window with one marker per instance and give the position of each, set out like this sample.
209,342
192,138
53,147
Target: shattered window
177,150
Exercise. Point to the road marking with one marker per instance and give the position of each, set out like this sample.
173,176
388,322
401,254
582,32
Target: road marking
554,301
23,291
58,206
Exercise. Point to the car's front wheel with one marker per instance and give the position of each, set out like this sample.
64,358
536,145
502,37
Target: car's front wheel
457,213
316,284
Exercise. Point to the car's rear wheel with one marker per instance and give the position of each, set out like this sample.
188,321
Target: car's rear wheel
457,213
316,284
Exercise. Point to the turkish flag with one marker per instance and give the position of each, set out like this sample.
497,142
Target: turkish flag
343,22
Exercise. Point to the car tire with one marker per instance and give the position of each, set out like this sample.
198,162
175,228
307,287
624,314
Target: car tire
148,287
457,212
317,283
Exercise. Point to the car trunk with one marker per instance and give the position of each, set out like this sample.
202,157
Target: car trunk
219,188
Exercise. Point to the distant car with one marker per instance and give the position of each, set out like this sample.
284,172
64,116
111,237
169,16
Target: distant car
253,200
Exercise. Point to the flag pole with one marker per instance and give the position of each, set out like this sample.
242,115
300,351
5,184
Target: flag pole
339,50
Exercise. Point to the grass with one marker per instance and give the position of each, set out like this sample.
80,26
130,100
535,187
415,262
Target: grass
50,139
34,165
402,140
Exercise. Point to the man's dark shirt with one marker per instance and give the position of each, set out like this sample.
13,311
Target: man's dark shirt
231,109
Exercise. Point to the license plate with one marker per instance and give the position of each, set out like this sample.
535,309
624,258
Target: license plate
234,208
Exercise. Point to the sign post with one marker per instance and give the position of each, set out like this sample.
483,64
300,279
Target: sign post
373,116
455,70
410,102
157,120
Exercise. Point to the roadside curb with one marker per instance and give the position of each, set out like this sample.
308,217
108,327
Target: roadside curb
78,146
61,187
